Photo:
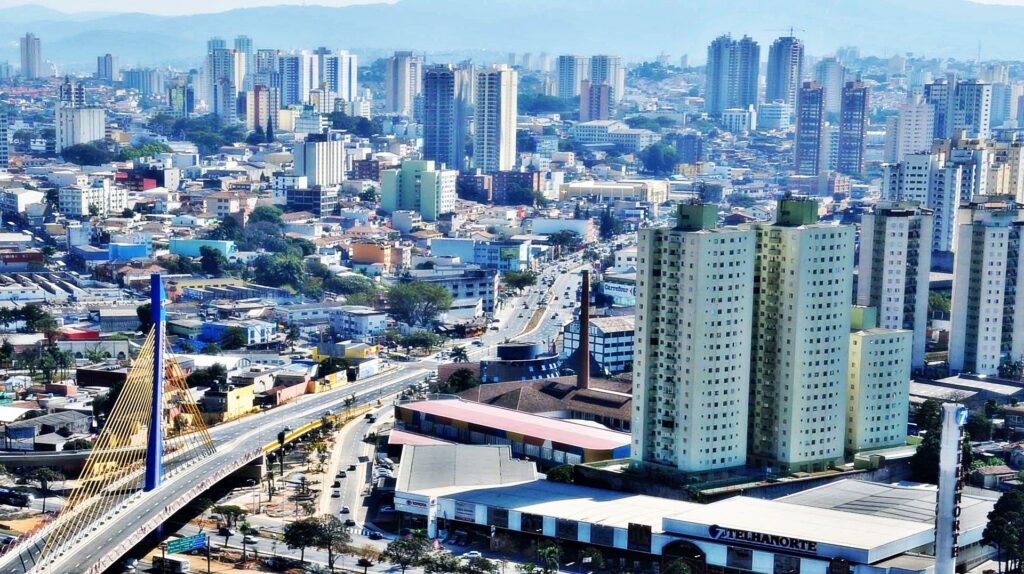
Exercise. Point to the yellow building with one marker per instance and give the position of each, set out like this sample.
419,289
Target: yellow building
222,405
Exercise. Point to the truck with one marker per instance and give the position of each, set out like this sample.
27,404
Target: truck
172,563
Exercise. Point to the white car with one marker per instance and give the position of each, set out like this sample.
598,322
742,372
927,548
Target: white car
472,554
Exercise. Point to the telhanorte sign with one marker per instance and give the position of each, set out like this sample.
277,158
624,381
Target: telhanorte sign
761,539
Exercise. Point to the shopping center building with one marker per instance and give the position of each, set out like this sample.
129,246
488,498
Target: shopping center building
844,527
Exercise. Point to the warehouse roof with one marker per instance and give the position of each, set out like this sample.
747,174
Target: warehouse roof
459,466
516,422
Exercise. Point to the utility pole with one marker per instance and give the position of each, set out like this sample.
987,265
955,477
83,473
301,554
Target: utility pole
208,571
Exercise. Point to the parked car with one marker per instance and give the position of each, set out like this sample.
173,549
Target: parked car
337,484
350,522
336,494
472,554
345,510
224,531
376,536
250,539
351,467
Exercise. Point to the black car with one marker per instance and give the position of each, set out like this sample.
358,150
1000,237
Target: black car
351,467
350,522
376,536
337,484
224,531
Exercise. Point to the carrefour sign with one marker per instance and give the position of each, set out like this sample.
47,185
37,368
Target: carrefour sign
620,289
761,539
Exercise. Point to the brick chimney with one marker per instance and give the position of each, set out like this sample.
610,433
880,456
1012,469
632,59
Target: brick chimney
583,369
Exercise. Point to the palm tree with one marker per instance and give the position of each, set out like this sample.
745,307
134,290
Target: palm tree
96,354
291,335
459,354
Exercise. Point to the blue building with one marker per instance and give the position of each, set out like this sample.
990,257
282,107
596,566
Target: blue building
257,332
122,251
500,255
192,247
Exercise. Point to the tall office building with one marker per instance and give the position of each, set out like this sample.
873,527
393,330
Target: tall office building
809,147
803,282
216,43
879,384
321,158
418,186
691,377
339,73
831,75
785,70
853,128
892,274
910,130
608,69
986,328
446,107
571,71
597,101
402,83
31,57
298,75
733,73
972,109
494,147
1004,105
107,69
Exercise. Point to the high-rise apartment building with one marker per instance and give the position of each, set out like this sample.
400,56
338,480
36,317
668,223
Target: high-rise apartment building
494,147
74,122
262,105
608,69
5,151
785,70
853,128
107,69
972,109
446,113
879,384
939,94
893,270
298,76
571,71
321,158
31,57
181,101
802,291
691,377
597,101
418,186
225,70
986,328
910,130
402,83
809,146
243,45
733,73
831,75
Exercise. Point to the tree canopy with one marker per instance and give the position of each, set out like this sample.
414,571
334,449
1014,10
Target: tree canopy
418,303
92,153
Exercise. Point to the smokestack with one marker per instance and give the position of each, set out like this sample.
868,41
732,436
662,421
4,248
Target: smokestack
583,372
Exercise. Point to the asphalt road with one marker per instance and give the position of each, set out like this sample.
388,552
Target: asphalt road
232,440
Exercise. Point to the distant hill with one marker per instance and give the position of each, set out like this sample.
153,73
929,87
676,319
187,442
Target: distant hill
633,28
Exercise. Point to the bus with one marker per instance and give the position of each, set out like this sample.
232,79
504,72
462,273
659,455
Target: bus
15,498
176,564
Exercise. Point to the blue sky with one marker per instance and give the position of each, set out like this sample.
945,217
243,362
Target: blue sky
178,7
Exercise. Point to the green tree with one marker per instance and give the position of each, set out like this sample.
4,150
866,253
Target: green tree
93,153
232,513
78,444
234,338
211,349
266,213
659,159
565,240
212,261
406,552
561,473
291,335
147,148
591,558
459,354
979,425
332,365
45,477
929,416
460,380
479,565
418,302
145,314
609,225
421,339
270,130
300,534
1005,528
441,562
520,280
212,375
331,536
549,554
